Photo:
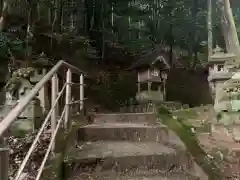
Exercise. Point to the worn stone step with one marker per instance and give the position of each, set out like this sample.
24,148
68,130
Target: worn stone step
129,155
123,131
133,175
142,118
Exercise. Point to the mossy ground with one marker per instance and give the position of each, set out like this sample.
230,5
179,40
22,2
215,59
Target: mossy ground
190,140
185,113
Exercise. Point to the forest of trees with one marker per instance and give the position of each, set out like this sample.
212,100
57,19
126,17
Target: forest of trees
107,31
108,35
104,37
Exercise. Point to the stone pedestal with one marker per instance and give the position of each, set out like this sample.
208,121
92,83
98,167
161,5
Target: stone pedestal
34,112
39,73
145,96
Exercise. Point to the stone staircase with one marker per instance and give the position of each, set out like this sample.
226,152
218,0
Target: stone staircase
130,146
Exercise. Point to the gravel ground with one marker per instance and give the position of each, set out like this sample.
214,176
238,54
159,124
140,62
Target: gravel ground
18,150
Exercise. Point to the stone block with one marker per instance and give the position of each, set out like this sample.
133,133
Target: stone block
34,112
236,133
44,99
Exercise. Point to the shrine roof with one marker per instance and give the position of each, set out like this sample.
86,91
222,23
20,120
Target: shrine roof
150,58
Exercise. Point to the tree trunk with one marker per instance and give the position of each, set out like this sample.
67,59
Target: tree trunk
209,25
229,28
57,16
195,39
3,14
232,27
32,16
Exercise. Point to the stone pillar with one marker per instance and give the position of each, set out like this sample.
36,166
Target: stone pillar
149,86
164,89
138,83
33,112
44,100
43,93
149,83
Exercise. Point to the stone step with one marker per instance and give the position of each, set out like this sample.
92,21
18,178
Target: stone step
133,175
129,155
142,118
123,131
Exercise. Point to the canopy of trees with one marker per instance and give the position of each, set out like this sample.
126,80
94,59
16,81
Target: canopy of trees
108,34
109,31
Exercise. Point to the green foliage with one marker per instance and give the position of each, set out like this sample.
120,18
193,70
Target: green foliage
111,91
134,25
163,111
139,25
16,46
72,42
10,45
3,45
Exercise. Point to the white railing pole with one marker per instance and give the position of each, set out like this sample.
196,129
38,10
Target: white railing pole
4,160
81,92
54,113
57,90
40,170
68,97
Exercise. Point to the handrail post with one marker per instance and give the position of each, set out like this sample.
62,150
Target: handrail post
54,112
4,159
57,90
81,92
68,97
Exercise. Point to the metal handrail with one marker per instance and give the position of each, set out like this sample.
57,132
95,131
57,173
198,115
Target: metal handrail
25,160
50,145
20,107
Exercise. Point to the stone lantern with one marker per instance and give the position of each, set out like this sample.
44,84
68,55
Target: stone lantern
219,72
224,79
218,61
41,66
